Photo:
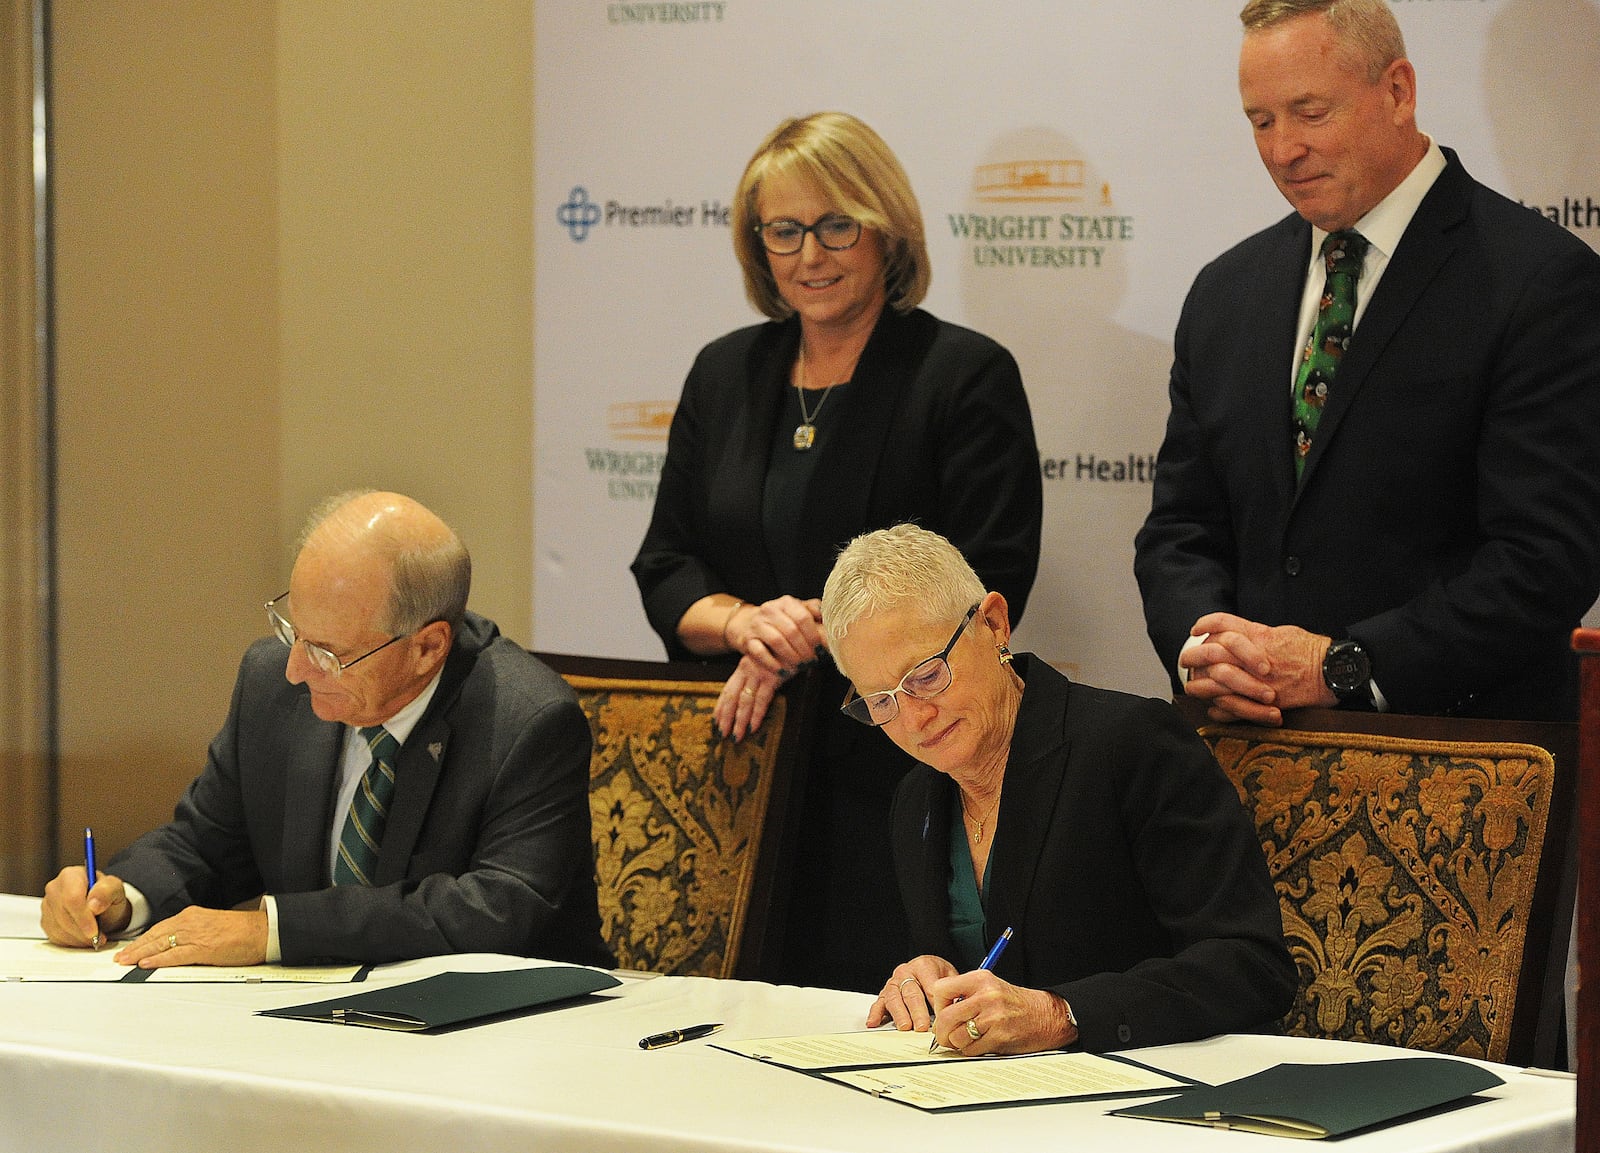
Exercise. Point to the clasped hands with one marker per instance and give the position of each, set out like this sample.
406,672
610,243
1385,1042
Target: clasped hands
774,639
77,916
1252,672
927,993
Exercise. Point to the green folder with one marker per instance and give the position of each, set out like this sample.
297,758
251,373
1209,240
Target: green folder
1323,1100
449,999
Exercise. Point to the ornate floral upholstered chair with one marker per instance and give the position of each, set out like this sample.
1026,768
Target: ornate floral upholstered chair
685,824
1417,880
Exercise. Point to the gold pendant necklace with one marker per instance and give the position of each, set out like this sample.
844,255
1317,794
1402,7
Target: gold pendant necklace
805,433
977,838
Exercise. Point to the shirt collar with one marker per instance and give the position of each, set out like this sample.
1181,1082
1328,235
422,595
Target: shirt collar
1386,223
401,724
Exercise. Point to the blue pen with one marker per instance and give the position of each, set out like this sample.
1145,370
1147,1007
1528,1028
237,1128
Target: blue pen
88,867
989,963
993,958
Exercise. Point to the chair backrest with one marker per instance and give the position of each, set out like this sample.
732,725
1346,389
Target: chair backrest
685,824
1587,642
1419,878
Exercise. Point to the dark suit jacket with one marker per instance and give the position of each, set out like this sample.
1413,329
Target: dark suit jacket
1125,864
1449,513
487,847
937,430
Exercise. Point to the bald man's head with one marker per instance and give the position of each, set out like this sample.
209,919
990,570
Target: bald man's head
424,562
380,584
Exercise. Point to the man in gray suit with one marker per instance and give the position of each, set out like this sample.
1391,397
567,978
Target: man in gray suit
394,779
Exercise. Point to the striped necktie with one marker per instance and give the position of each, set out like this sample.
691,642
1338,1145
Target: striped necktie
1330,336
369,808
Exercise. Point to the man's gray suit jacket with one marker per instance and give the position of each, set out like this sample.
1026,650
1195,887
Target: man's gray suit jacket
487,846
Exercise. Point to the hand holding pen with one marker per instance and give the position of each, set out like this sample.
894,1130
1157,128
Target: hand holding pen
987,966
82,906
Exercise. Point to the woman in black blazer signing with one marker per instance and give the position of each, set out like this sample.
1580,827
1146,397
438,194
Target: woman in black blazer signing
1090,830
850,409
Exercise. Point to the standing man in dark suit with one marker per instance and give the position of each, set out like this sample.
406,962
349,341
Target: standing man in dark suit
394,779
1388,497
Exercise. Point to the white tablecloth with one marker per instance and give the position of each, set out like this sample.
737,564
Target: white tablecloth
177,1067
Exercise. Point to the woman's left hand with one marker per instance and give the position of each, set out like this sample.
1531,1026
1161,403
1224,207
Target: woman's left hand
1006,1018
743,702
904,999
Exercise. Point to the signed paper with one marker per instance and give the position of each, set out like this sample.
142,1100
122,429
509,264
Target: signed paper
1039,1077
841,1050
33,959
896,1065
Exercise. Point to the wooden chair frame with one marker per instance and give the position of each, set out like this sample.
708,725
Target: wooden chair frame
1587,644
758,925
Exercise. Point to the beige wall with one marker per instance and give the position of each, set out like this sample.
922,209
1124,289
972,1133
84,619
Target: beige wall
405,182
25,783
293,255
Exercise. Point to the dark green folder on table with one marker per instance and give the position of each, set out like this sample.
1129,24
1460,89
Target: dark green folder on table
450,999
1324,1100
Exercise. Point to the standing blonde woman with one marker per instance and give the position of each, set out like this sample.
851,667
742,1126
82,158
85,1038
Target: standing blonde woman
849,409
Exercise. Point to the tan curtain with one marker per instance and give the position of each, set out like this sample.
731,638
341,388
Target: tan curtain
26,769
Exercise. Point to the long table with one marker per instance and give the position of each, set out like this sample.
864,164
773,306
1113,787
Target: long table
188,1066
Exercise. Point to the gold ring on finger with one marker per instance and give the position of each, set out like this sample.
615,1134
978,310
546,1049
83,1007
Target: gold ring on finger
902,985
972,1029
172,940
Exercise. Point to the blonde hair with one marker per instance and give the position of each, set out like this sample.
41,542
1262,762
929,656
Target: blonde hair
903,565
1365,29
850,166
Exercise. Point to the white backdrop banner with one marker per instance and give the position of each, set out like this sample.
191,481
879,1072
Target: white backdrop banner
1077,162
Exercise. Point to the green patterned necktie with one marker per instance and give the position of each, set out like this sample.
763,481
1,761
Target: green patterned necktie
369,808
1330,336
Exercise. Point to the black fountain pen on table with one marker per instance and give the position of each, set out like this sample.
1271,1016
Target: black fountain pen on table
674,1036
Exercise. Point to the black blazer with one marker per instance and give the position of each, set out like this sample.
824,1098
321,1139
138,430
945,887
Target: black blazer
1449,513
1124,862
938,432
487,847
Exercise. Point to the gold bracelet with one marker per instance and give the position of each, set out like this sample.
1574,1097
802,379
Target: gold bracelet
728,620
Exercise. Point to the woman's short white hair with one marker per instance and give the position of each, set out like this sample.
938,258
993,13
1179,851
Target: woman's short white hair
892,568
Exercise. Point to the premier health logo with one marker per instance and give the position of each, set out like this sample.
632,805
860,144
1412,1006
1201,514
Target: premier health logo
579,214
